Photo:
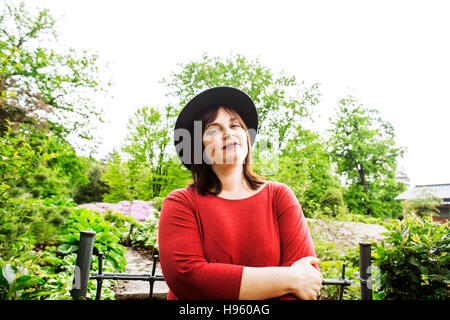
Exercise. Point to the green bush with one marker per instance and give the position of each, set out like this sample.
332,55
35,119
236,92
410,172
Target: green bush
28,222
332,201
106,239
39,240
414,260
18,160
15,282
46,182
344,215
94,190
145,235
332,257
157,204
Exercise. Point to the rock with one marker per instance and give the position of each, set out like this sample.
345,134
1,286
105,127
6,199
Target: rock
346,233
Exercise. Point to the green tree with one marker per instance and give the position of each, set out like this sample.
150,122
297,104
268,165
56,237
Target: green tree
40,85
59,175
363,148
280,100
332,201
305,166
18,160
94,190
148,149
116,176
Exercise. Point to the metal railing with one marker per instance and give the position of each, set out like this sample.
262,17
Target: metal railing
100,276
86,247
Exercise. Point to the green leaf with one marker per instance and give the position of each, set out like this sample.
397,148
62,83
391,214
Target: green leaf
424,269
9,273
413,261
67,248
23,282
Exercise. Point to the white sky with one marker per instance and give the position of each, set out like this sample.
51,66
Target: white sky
393,55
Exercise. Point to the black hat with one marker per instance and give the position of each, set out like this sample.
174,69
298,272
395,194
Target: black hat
208,99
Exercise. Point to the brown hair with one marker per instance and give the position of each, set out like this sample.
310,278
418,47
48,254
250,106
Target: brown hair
204,178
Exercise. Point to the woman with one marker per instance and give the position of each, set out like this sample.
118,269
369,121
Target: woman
231,234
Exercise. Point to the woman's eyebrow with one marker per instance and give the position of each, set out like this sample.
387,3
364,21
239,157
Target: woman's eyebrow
218,124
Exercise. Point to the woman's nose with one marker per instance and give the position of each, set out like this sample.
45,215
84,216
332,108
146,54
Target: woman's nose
229,133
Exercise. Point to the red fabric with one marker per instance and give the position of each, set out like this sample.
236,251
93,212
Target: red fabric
205,241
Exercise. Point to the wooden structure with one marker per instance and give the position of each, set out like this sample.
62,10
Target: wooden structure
440,192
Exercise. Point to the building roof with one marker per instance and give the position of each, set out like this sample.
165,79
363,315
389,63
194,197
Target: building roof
441,191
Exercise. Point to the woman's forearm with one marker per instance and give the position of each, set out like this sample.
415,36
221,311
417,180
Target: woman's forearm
266,283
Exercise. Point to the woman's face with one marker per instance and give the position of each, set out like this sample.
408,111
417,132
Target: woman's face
225,140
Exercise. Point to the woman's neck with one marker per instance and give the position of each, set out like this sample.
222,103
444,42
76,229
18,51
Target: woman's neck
232,179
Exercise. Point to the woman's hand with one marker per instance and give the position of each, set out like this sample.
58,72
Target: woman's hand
308,280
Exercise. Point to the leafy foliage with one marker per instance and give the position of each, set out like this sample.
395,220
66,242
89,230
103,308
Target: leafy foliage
39,85
305,166
41,257
18,160
94,190
363,148
414,260
106,239
332,255
332,201
149,151
40,164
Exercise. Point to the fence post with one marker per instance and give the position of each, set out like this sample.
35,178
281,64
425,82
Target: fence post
83,264
365,274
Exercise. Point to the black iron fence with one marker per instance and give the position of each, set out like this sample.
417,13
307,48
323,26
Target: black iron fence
86,247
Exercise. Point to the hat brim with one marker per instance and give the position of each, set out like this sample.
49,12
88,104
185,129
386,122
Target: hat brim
211,98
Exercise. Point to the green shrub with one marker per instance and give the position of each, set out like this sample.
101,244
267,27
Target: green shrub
38,244
15,281
107,237
145,235
24,223
18,160
353,217
332,257
94,190
332,202
414,260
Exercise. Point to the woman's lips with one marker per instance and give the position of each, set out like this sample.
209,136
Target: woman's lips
231,146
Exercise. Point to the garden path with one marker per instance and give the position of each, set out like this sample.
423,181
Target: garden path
140,261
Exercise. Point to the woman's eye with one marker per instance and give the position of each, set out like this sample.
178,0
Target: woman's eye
215,130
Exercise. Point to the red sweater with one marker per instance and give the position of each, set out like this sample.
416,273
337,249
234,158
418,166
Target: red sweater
205,241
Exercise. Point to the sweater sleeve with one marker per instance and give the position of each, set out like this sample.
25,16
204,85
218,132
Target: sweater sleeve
187,272
295,238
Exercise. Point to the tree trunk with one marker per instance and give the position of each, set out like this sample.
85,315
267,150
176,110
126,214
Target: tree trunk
362,179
